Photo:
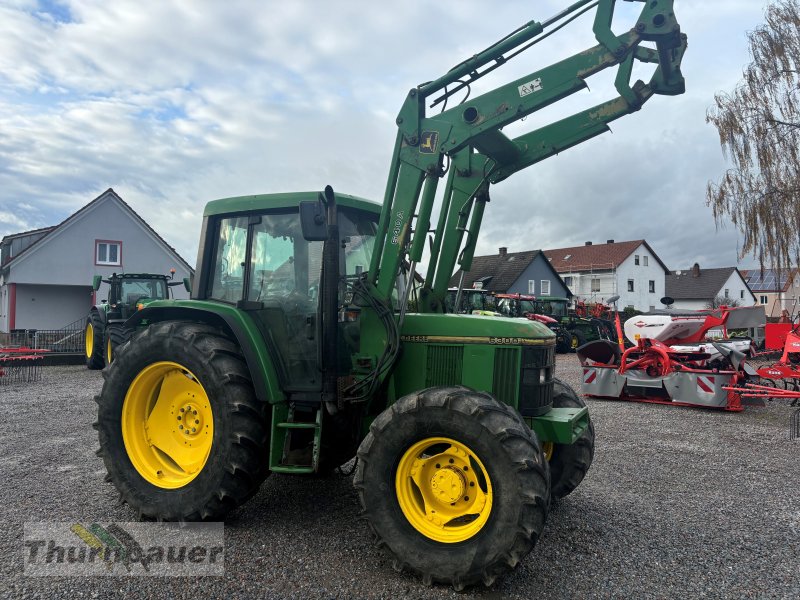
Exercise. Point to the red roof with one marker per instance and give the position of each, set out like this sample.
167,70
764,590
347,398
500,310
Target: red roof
596,257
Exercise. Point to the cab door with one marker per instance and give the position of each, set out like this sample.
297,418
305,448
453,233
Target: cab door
265,267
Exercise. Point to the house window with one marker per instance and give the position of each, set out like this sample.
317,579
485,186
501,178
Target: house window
630,285
595,284
652,285
741,294
531,286
644,260
107,253
544,287
568,281
763,299
636,259
727,293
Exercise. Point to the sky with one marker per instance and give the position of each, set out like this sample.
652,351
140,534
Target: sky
177,102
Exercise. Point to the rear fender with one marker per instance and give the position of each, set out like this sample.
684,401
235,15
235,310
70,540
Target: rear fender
237,324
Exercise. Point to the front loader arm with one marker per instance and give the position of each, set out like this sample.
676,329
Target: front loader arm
470,137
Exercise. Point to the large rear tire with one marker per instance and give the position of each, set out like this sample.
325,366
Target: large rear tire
569,463
94,341
454,485
181,432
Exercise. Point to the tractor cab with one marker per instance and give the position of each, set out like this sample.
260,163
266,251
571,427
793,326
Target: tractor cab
261,262
129,292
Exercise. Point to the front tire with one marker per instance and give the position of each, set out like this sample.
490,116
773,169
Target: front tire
563,341
94,341
454,485
181,433
577,338
116,336
569,463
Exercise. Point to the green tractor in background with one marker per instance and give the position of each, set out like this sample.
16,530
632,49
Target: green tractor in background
128,292
577,326
297,350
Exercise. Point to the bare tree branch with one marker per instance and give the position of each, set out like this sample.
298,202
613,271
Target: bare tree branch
759,131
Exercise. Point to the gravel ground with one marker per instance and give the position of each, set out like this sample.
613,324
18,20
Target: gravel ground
679,503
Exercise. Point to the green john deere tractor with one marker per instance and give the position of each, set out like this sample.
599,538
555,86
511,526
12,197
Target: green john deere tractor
105,324
297,350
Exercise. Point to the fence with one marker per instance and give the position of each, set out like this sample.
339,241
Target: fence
68,339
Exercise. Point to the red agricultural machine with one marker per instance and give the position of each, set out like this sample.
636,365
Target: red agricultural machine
676,360
20,365
783,374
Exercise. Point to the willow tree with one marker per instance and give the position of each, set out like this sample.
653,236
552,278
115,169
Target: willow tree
759,130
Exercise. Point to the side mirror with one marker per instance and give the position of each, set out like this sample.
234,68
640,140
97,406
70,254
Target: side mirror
612,300
313,221
96,281
187,284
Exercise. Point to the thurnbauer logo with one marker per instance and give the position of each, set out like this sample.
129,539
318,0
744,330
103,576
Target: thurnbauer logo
105,547
429,142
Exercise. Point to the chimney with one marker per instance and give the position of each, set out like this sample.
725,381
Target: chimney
503,251
696,270
609,241
588,243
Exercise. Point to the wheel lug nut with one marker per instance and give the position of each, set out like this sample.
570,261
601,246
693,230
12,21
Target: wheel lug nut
183,410
194,429
179,417
180,426
194,412
197,421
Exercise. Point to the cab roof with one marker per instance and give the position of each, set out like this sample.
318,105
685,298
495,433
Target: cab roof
260,202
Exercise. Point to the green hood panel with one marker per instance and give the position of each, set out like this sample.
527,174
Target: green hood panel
474,329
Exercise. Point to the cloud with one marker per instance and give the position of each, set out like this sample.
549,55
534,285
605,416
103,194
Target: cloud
186,101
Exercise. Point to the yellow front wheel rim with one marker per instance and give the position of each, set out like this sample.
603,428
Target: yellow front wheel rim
547,448
167,425
443,490
89,338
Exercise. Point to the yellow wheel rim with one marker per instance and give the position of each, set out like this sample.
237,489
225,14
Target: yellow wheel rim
443,490
108,350
89,338
167,425
547,448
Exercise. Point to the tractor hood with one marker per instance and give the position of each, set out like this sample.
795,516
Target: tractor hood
475,329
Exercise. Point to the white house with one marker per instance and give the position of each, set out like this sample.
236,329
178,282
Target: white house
46,274
595,272
696,288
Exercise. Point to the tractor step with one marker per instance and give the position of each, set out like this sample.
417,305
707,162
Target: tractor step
292,450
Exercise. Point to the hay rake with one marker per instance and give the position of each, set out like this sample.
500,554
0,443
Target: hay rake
20,365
